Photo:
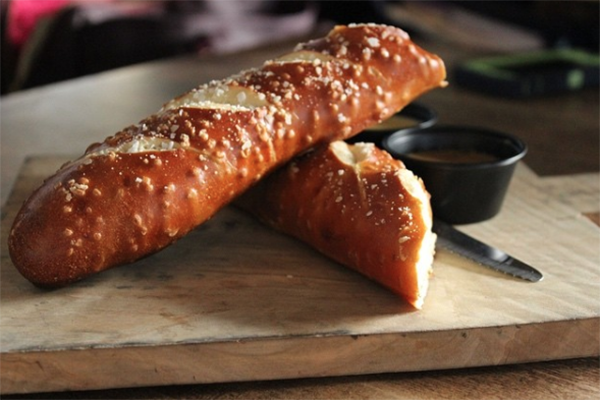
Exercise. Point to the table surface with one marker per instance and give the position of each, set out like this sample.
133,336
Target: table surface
562,133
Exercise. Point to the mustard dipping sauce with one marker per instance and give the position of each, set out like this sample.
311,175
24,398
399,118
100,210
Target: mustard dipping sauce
454,156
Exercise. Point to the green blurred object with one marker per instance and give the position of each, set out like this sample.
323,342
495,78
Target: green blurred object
531,74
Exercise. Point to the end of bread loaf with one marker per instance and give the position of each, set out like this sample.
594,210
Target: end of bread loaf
426,240
415,239
359,206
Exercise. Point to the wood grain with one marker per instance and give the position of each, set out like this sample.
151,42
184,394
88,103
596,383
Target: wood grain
235,301
531,381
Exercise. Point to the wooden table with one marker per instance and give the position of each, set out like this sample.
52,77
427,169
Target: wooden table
563,137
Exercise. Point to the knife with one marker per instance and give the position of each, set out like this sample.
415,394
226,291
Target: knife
460,243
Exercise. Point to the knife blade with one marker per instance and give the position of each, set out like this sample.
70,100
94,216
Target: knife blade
467,246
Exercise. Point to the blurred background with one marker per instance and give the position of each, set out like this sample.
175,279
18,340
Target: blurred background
46,41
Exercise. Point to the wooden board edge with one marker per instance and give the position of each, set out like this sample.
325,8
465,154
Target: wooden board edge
295,357
594,217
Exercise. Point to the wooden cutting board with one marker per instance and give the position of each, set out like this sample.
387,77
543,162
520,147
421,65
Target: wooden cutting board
236,301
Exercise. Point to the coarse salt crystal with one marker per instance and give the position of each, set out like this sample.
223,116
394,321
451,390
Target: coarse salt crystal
373,42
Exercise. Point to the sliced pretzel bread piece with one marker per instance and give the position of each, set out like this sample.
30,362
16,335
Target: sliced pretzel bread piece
357,205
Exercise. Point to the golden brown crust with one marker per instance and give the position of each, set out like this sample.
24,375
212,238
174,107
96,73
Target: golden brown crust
150,184
357,205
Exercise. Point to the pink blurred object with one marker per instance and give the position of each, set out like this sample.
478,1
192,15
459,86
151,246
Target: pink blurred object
23,16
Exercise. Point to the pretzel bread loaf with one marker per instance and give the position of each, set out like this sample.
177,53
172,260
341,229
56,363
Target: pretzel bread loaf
357,205
151,183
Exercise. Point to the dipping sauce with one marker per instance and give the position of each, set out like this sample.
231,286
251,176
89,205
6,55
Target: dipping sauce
395,122
453,156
